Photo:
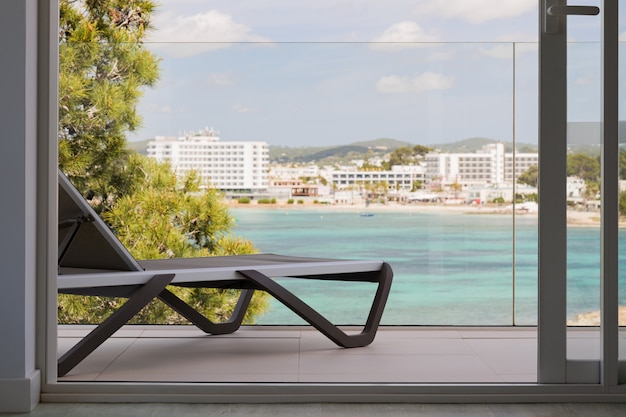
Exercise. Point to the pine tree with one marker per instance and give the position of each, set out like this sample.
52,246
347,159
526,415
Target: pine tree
162,217
103,66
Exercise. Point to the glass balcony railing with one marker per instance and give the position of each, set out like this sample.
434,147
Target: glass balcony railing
460,234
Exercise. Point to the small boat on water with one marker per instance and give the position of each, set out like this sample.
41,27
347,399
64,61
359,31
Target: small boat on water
366,214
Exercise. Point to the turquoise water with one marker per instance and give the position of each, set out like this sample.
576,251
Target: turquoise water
449,268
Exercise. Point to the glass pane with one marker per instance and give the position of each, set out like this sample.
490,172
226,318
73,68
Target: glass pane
583,187
622,197
451,246
405,149
525,220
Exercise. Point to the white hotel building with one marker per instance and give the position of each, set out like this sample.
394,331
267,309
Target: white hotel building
490,165
227,166
399,178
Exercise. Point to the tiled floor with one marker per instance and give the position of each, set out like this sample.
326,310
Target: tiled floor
253,354
267,354
327,410
262,354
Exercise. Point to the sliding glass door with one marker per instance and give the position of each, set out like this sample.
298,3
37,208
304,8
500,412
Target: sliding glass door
578,189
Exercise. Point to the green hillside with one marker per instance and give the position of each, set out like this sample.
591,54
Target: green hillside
328,155
376,147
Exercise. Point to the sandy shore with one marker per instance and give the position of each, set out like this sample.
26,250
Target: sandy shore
574,217
592,318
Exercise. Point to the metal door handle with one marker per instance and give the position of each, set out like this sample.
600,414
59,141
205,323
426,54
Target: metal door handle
573,10
553,11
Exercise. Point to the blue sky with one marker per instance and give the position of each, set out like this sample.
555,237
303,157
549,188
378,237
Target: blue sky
329,72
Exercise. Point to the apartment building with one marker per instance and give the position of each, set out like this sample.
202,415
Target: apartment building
399,178
489,165
227,166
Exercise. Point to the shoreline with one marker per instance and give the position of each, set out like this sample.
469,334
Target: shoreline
592,318
574,217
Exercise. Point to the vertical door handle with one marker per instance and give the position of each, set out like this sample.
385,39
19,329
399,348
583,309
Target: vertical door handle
554,10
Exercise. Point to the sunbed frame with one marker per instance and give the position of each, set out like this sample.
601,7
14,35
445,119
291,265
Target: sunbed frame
92,261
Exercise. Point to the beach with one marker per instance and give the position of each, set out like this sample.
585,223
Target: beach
574,217
592,318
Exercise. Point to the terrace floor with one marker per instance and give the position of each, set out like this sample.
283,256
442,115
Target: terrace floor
300,354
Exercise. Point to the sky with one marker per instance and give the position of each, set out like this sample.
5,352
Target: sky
332,72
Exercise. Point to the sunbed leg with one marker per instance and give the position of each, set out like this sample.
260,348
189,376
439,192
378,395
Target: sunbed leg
314,318
113,323
385,277
200,321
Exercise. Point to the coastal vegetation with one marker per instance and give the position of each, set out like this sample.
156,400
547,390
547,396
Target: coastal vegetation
104,68
266,201
586,167
530,176
406,155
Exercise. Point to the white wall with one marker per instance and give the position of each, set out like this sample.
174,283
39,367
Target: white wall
19,378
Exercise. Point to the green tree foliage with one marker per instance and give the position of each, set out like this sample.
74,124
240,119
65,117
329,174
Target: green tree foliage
587,168
530,176
622,203
103,67
162,219
158,218
622,165
405,155
583,166
368,166
579,165
421,150
401,156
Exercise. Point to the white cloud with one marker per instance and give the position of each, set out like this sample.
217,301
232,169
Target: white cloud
182,36
403,35
428,81
242,108
475,11
622,37
222,79
502,51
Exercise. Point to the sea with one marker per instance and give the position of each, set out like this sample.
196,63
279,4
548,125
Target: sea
449,268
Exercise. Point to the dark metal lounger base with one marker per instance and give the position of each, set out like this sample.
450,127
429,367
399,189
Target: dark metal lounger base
156,288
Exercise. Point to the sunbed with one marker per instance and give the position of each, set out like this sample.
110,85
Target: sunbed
92,261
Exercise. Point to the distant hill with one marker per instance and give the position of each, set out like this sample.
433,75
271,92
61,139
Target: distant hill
388,143
469,145
358,150
334,154
376,147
